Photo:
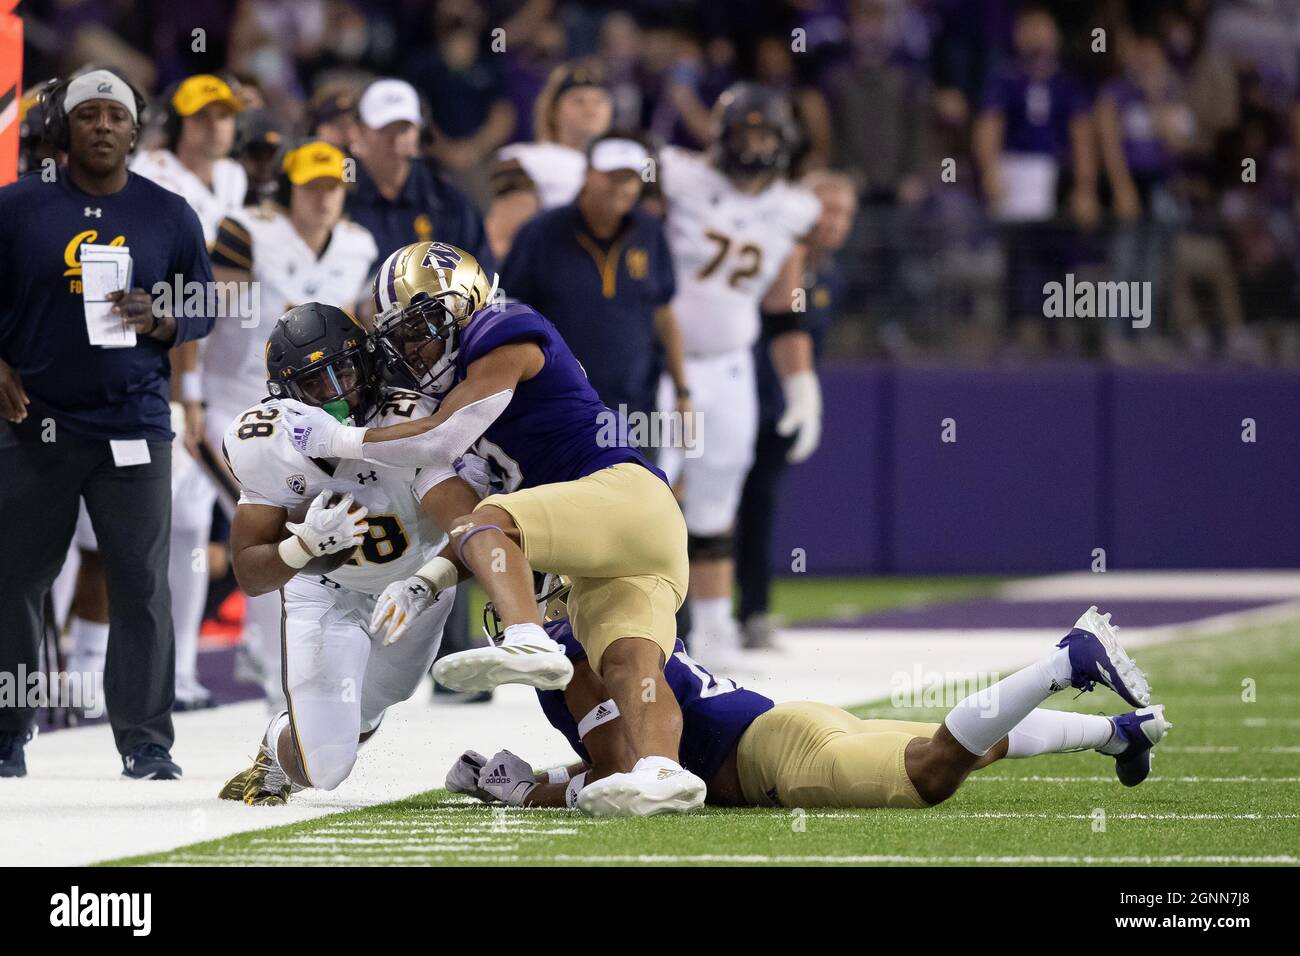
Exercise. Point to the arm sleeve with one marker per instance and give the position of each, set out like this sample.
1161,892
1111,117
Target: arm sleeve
191,261
437,449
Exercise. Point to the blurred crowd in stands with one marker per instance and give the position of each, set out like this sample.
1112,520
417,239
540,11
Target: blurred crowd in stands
996,146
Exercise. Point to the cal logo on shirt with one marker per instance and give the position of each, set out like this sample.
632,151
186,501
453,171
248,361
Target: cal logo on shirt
72,256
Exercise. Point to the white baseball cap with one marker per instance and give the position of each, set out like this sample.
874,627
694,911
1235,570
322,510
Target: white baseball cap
100,85
389,101
610,155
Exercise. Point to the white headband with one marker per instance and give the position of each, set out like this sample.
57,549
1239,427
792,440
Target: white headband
100,85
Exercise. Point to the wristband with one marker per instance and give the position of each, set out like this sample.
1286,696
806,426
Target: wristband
293,553
440,574
573,789
191,386
347,443
557,775
602,713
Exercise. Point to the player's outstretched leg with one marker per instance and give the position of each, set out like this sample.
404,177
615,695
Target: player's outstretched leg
527,655
1090,654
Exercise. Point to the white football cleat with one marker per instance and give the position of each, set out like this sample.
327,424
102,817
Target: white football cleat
655,785
532,658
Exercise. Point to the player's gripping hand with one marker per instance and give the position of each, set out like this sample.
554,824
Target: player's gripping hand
316,433
476,473
507,778
463,775
803,415
398,607
326,529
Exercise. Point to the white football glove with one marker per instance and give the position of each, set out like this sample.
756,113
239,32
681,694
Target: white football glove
463,775
324,530
398,607
318,434
476,472
803,415
507,778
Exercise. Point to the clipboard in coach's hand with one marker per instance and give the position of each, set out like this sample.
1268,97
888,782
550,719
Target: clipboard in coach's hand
105,269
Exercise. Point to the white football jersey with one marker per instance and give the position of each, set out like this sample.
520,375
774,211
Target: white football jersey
229,186
728,247
271,471
557,171
287,273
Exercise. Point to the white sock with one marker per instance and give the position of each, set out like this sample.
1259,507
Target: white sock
711,615
1059,732
525,634
985,717
276,778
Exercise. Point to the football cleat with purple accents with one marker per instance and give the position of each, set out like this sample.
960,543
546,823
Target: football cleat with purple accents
1097,658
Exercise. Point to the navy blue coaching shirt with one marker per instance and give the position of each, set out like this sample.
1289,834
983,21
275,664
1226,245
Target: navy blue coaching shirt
601,294
94,392
427,208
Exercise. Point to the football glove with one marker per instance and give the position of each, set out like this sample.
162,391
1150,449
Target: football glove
463,775
476,473
318,434
398,607
803,415
507,778
325,529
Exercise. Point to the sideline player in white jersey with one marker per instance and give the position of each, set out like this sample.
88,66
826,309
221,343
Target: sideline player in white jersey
735,226
330,565
572,109
193,163
296,249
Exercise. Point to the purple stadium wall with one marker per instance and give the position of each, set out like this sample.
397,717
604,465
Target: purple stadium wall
1049,463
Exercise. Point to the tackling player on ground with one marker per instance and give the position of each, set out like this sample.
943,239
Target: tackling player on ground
602,515
330,565
753,752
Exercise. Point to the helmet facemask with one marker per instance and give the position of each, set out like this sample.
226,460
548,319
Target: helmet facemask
410,339
344,384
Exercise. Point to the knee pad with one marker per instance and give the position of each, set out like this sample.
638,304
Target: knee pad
710,547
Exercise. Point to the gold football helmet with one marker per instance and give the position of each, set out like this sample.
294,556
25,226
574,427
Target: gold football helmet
425,294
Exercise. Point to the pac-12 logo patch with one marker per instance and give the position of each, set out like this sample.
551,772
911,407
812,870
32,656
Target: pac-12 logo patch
297,484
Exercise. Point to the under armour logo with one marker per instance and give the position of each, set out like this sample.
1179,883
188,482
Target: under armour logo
327,543
416,589
94,211
364,478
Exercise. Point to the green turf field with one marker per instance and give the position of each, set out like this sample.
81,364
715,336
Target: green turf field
1224,791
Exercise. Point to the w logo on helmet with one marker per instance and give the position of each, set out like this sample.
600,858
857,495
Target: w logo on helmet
439,255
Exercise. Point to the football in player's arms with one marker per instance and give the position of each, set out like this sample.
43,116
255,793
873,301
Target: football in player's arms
754,752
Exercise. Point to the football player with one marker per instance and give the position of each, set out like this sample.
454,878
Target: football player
754,752
573,502
735,225
330,564
299,248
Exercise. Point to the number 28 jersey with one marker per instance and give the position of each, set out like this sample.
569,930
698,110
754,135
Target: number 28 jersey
728,247
272,472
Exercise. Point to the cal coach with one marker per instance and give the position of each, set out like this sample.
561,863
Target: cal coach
92,421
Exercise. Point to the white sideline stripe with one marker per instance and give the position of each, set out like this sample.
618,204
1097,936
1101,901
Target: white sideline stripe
1263,585
1043,815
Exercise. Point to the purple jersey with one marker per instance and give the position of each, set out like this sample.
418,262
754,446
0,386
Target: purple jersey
555,428
716,711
